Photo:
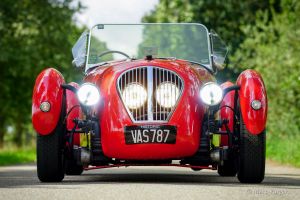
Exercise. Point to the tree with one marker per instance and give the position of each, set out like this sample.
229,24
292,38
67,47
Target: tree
273,49
34,34
226,18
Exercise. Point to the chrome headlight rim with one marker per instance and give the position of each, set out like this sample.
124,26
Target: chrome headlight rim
220,95
143,97
177,95
82,94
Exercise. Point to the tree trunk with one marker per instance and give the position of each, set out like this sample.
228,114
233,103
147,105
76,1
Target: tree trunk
1,136
19,132
2,132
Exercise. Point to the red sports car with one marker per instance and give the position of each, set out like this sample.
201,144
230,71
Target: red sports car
149,97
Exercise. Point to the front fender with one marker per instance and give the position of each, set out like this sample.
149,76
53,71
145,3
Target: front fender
47,89
73,110
252,88
227,112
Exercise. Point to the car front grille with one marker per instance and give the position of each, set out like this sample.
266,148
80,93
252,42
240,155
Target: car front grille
150,78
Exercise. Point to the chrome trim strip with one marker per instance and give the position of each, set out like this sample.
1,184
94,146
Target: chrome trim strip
88,52
150,92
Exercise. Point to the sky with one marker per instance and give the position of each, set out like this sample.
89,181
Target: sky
114,11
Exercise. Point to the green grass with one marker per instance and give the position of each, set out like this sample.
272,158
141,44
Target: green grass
284,149
17,156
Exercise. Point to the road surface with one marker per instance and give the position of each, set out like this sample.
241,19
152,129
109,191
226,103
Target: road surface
20,182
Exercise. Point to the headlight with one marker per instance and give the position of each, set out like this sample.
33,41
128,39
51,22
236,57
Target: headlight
167,94
88,94
211,94
134,95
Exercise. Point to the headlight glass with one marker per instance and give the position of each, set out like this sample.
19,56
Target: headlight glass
167,94
88,94
211,94
134,95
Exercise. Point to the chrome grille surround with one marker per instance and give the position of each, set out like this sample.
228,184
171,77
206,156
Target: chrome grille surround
150,77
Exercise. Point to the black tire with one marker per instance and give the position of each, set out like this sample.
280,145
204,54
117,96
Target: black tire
252,156
196,169
72,168
228,168
50,155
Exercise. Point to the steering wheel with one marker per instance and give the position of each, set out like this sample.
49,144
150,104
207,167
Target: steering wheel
112,51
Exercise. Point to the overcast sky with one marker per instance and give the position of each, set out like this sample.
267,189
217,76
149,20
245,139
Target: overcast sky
114,11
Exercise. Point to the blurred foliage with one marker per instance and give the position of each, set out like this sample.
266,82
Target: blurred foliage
262,35
34,34
225,17
97,47
17,156
184,42
273,49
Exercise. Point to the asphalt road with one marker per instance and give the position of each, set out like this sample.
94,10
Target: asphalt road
20,182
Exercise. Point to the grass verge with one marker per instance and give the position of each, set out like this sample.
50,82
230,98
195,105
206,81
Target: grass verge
284,149
17,156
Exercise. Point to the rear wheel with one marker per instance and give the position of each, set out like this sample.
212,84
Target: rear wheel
252,155
196,169
72,168
228,168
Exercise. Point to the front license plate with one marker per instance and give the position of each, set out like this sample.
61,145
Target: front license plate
164,134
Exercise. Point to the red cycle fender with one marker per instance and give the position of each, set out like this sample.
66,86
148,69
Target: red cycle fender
226,112
47,89
253,88
73,110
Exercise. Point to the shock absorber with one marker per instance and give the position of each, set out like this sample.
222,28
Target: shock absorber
98,157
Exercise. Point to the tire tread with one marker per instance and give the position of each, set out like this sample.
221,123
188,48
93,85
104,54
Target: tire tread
251,156
50,164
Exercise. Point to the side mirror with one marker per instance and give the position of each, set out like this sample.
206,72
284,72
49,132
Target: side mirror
79,50
219,51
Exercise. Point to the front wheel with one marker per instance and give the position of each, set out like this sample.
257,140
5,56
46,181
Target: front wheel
252,156
50,157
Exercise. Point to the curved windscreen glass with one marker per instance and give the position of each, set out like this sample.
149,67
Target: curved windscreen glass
182,41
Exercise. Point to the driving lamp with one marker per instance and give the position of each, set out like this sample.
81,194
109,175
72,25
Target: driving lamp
88,94
211,94
134,95
167,94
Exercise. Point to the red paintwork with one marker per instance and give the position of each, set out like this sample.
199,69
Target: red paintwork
227,113
161,165
47,88
113,115
71,101
252,88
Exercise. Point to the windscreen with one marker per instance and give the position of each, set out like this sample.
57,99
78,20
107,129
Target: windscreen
182,41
